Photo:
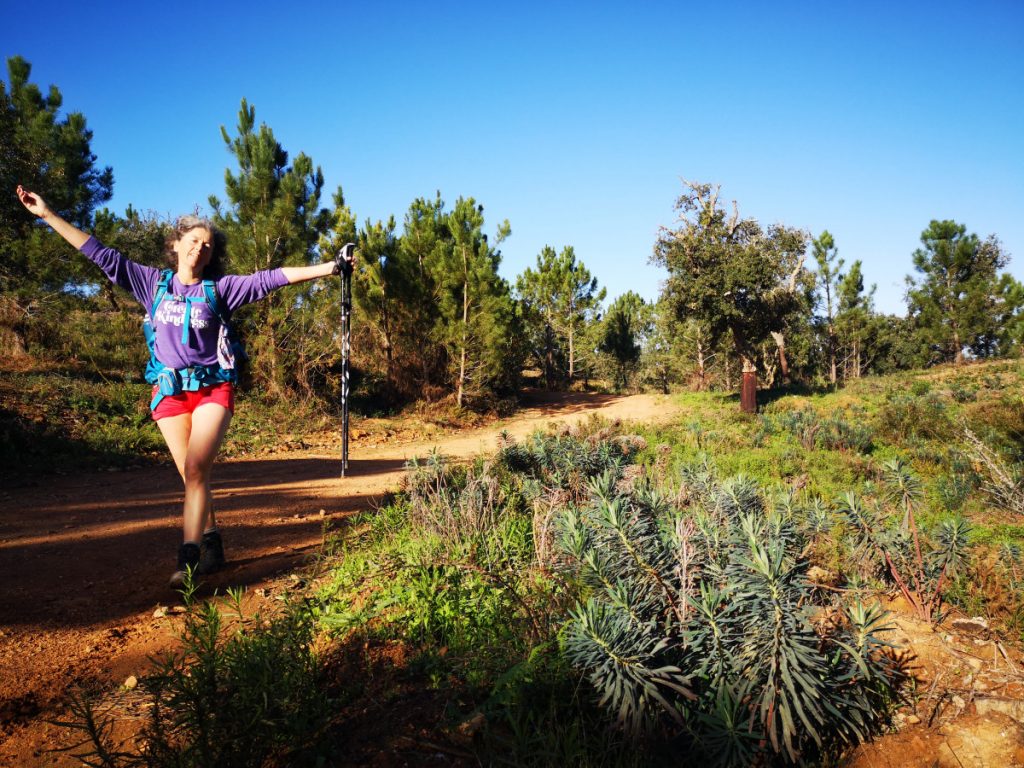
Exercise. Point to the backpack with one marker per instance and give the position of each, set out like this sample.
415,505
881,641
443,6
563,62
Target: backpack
230,352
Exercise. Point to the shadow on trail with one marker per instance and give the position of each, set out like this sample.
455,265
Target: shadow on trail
87,549
98,548
548,403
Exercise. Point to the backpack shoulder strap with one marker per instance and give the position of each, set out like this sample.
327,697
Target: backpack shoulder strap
213,300
163,285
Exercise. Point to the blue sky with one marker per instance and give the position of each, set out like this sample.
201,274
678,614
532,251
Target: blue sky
575,121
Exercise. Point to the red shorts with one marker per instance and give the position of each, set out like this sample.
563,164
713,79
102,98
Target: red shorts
186,402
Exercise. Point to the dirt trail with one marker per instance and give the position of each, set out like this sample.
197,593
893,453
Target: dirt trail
84,559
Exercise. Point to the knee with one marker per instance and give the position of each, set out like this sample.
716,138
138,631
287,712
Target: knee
197,473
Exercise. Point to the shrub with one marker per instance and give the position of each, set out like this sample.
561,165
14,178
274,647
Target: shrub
958,482
248,692
963,392
835,432
535,716
1003,483
63,419
905,415
917,568
456,504
696,622
841,434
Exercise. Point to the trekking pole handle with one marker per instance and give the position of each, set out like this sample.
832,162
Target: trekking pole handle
345,259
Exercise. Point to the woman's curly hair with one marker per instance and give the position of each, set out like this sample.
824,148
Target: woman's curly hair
184,224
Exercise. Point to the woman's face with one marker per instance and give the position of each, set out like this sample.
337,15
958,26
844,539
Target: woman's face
194,249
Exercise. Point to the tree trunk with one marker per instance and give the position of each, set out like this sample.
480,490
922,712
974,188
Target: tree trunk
572,362
389,358
832,355
549,357
748,389
465,342
702,382
272,357
110,296
780,342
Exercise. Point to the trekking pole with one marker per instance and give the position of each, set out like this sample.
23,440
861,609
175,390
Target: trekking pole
344,260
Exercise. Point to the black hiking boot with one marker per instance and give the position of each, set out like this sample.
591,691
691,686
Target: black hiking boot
211,553
188,559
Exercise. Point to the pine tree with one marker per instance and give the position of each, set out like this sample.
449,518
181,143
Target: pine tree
272,220
52,156
476,312
662,363
379,290
829,275
853,320
564,296
954,299
426,239
537,292
1010,310
626,326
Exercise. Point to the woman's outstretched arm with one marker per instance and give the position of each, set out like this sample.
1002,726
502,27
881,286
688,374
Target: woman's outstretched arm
38,207
302,274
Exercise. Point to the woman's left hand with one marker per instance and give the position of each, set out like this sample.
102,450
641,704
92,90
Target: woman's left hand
33,202
345,259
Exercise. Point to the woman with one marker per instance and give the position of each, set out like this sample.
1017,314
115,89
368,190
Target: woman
193,403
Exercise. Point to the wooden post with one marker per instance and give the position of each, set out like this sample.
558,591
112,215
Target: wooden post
748,388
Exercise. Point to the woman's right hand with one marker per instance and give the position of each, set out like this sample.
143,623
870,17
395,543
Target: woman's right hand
38,207
33,202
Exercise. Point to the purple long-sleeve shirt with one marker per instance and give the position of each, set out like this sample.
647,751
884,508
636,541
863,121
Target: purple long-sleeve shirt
200,348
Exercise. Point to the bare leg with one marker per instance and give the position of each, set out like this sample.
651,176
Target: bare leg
194,441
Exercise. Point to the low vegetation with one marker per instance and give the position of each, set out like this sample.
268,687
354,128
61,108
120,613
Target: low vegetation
242,690
713,587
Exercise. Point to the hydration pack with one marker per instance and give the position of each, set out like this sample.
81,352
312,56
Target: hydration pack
171,381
